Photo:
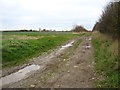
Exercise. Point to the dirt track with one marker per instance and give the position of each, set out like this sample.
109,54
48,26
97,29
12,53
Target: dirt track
71,68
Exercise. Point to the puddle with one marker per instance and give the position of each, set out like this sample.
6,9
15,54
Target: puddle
28,70
90,39
65,46
59,50
88,46
19,75
45,59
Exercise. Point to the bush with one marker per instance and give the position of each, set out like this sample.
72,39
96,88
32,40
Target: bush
78,28
109,20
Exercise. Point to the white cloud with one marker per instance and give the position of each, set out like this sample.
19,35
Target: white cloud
54,14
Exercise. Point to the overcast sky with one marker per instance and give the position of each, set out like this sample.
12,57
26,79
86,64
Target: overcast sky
49,14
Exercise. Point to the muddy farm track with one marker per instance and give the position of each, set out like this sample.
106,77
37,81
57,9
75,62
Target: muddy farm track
67,67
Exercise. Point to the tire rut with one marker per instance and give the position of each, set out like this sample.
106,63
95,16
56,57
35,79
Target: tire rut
77,71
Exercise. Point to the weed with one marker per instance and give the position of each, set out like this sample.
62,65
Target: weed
106,57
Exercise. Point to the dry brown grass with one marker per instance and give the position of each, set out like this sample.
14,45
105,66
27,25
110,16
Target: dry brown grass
106,57
114,43
26,37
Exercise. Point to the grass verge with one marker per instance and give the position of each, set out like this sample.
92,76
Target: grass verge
106,59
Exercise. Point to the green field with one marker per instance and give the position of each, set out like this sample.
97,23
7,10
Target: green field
18,47
35,33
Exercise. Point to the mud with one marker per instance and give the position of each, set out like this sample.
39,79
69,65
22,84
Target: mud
19,75
70,68
23,73
37,60
23,37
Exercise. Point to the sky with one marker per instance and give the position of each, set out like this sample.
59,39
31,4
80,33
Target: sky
49,14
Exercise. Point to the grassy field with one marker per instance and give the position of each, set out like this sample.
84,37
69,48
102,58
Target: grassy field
18,47
36,33
106,59
39,33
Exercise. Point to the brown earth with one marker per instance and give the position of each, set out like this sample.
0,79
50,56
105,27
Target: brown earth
71,68
24,37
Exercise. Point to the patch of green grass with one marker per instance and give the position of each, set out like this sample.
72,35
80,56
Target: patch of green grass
105,62
18,51
36,33
43,34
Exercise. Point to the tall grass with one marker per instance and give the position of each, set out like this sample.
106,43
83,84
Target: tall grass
106,59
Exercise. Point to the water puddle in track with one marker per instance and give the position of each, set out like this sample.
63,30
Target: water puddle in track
58,51
28,70
19,75
65,46
68,45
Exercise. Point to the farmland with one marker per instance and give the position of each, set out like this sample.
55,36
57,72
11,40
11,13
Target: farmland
54,44
46,49
18,47
91,54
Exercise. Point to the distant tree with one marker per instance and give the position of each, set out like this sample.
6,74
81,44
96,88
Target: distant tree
78,28
30,30
24,30
43,30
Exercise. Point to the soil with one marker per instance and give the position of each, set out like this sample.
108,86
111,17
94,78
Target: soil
24,37
70,68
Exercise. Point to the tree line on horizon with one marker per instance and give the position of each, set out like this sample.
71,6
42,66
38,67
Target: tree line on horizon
76,28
